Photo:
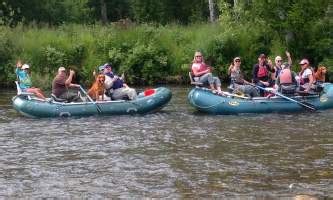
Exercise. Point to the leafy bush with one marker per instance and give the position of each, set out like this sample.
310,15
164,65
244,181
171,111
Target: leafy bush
7,50
144,63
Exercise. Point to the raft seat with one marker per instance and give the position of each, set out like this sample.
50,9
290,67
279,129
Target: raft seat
54,98
20,92
193,82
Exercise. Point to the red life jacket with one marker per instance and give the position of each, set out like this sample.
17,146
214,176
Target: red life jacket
285,76
262,72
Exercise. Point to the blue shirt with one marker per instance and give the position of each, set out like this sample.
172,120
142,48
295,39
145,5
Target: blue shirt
24,78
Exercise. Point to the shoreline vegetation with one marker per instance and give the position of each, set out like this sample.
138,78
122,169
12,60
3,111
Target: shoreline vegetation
151,53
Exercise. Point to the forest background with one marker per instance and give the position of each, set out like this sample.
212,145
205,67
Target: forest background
153,42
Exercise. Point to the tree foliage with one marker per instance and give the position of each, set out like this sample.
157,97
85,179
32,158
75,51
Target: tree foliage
244,28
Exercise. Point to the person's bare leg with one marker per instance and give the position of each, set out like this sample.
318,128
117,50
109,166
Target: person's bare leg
37,92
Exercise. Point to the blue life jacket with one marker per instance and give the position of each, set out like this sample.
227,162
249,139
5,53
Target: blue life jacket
118,83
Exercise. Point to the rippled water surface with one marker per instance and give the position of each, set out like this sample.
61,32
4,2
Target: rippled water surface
175,153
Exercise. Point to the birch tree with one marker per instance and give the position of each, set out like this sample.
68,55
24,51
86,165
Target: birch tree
211,10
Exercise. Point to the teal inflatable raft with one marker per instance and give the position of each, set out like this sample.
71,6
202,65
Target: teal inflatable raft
205,101
28,105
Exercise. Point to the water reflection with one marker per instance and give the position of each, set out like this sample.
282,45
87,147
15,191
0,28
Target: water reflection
175,153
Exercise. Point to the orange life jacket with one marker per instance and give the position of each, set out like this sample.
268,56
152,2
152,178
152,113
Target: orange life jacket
285,76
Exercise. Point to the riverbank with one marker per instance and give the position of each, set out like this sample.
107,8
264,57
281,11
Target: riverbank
147,54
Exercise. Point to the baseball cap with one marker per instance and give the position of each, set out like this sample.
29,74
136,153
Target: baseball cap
25,66
285,65
304,61
107,65
61,69
237,58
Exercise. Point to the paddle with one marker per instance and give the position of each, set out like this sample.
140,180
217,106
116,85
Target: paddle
308,106
90,99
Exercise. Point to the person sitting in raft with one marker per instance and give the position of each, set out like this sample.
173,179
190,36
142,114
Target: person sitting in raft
61,83
286,81
24,79
238,83
278,66
261,71
115,85
306,78
202,73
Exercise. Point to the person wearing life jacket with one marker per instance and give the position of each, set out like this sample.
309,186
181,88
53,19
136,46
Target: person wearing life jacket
115,85
278,67
286,81
306,76
238,83
24,80
202,73
261,71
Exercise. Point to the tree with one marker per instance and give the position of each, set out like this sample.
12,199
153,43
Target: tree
104,16
211,10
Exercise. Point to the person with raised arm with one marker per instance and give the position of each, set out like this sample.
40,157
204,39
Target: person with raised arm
61,85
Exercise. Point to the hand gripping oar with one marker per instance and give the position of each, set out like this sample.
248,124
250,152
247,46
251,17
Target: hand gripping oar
309,106
90,99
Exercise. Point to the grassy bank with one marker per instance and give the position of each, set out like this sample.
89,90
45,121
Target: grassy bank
146,54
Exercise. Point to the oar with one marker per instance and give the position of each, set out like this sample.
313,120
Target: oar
90,99
308,106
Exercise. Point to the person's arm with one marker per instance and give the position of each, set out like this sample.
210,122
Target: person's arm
311,81
230,69
68,81
270,66
289,58
277,81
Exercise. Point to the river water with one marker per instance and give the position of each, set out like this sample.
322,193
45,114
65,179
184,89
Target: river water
174,153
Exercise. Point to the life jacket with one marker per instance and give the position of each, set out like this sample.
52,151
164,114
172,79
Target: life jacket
200,66
304,80
286,76
262,72
236,77
118,83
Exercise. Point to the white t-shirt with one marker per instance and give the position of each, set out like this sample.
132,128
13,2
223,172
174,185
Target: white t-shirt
306,73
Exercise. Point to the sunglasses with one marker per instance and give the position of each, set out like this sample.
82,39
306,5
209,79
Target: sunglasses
279,61
237,61
303,64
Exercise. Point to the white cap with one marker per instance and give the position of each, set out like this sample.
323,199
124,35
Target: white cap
25,66
61,69
304,61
